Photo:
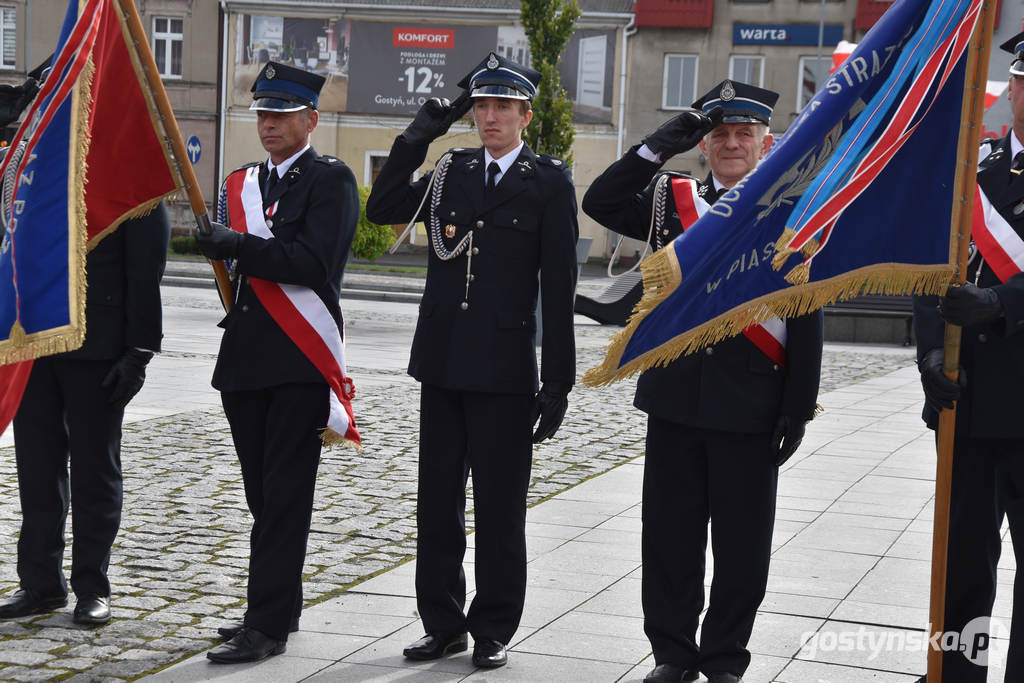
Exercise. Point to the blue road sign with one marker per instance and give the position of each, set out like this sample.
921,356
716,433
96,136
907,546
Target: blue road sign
194,149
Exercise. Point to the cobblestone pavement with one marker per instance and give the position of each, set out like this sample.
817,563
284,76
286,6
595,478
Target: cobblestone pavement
178,567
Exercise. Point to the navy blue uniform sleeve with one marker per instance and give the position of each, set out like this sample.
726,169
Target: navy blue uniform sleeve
804,340
929,327
145,256
318,251
558,271
393,199
1011,295
621,198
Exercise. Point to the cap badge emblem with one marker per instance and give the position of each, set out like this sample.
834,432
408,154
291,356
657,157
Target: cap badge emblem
727,92
492,62
270,72
449,231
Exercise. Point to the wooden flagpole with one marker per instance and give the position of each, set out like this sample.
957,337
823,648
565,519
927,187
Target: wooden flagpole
183,167
966,179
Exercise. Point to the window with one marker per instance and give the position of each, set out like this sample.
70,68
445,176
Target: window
168,35
747,69
8,36
812,76
679,83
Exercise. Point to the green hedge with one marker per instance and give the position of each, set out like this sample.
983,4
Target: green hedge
371,240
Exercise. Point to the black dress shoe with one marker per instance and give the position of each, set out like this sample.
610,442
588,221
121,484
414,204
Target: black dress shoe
671,673
231,630
436,645
92,610
724,677
489,654
25,602
248,645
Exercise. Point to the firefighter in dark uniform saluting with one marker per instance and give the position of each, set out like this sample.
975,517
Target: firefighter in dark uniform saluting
988,450
720,421
298,211
496,215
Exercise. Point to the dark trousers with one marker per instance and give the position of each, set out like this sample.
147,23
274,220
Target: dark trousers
488,435
276,435
65,413
988,483
692,476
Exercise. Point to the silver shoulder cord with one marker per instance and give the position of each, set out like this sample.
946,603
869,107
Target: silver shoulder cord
435,187
653,230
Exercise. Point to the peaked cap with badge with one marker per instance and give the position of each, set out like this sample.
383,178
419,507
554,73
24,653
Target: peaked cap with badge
284,88
740,102
499,77
1015,46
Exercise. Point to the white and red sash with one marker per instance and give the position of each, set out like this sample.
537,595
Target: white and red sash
998,242
768,336
297,310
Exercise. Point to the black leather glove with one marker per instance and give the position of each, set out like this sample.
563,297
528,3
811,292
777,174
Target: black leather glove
435,117
221,243
939,390
15,98
549,406
970,305
786,438
682,132
126,377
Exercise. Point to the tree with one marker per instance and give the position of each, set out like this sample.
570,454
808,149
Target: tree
549,24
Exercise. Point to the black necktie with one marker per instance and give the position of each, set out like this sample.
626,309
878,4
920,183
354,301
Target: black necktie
492,172
1018,163
272,181
719,192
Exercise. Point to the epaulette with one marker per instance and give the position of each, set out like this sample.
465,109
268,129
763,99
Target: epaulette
463,150
245,166
549,160
985,149
329,160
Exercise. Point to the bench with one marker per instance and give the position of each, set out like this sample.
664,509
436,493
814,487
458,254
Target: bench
877,306
614,305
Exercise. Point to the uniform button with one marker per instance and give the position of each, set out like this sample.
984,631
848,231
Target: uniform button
775,366
464,305
270,223
515,221
479,224
470,277
664,232
709,351
452,213
476,250
245,308
982,338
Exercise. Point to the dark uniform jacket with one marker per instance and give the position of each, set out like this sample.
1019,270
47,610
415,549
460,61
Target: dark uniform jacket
731,386
122,305
527,223
313,226
992,354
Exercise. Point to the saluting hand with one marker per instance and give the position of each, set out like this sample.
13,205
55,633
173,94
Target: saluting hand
549,407
435,117
682,132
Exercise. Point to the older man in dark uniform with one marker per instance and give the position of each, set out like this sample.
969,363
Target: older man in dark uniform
72,409
721,421
497,215
292,220
988,449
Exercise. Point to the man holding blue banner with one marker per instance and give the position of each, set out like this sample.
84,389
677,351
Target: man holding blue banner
720,421
988,467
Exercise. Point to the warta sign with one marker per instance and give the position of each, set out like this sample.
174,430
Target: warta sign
785,34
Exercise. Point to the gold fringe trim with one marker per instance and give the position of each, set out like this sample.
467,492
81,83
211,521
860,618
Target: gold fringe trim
18,337
41,344
799,275
143,209
884,278
331,438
